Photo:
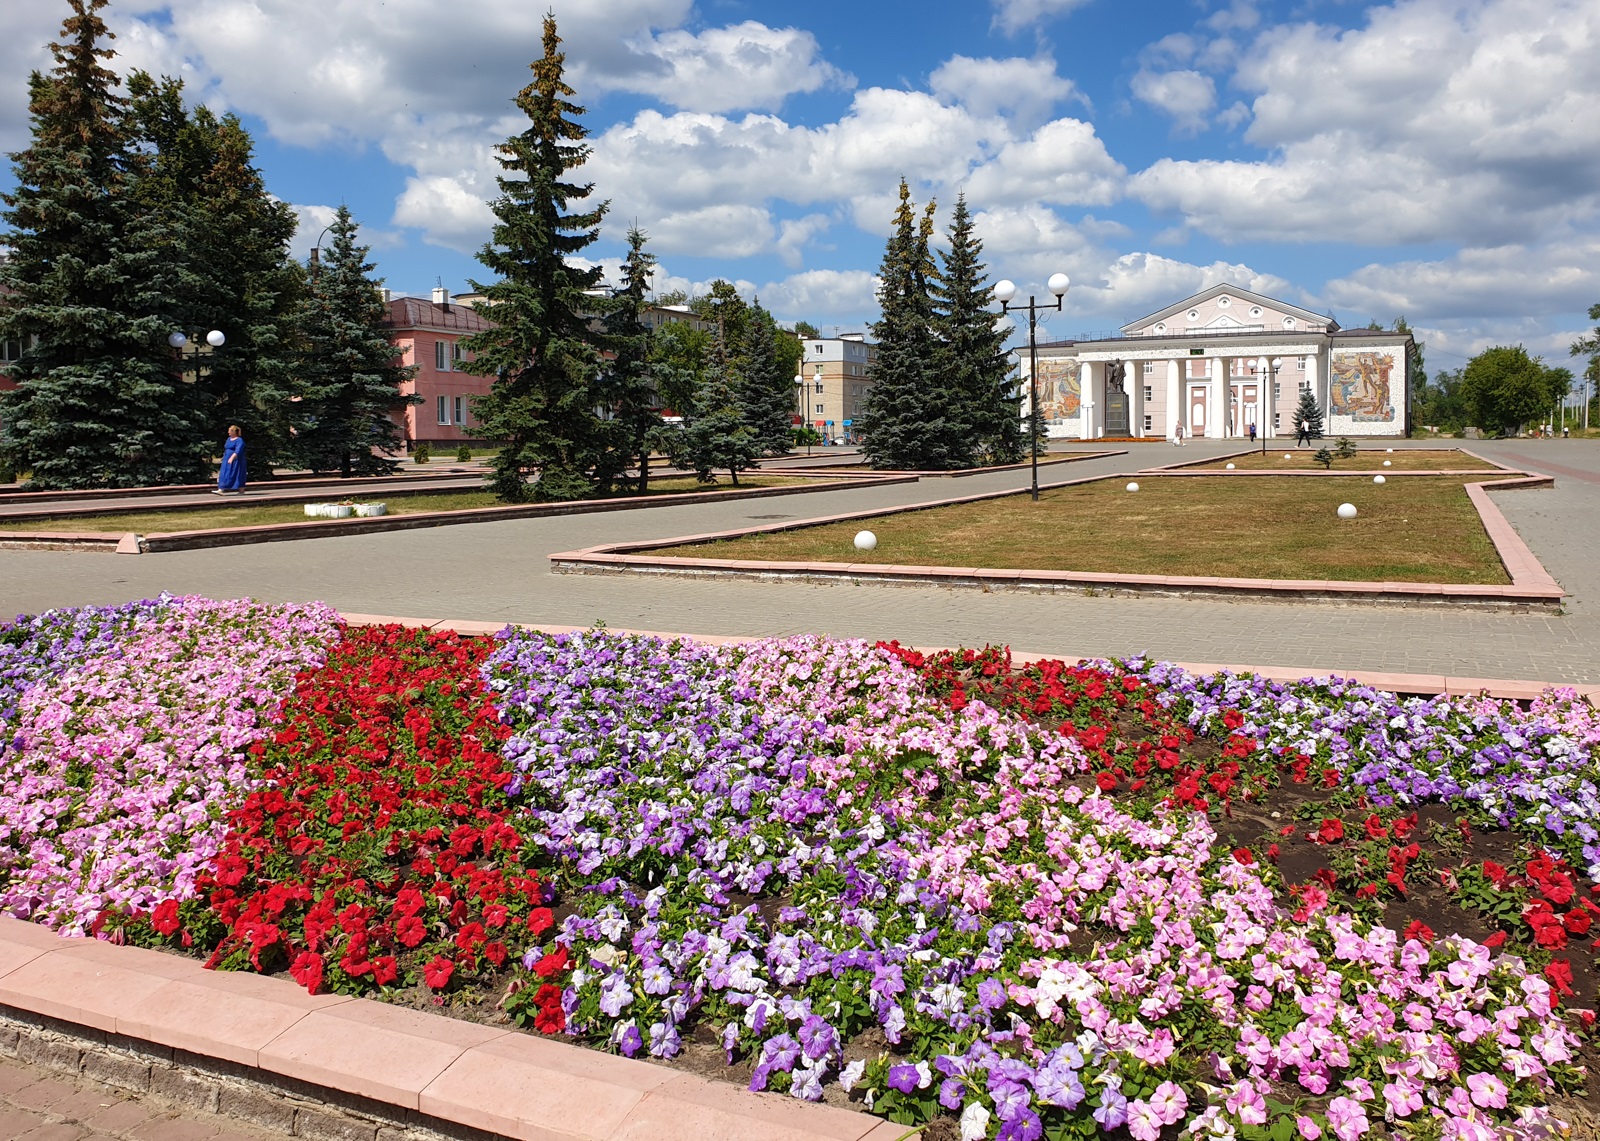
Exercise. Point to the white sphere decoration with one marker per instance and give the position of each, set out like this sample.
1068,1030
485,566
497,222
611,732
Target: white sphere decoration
1388,449
1058,283
1379,479
1388,463
1287,456
177,340
1347,510
1133,487
1230,467
866,541
215,338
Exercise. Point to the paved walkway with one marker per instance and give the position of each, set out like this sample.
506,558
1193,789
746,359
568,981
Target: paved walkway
499,572
38,1104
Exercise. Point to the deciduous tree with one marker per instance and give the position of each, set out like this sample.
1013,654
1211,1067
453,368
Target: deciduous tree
1506,388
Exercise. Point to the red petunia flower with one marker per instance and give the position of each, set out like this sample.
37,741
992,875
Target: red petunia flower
552,964
165,917
1331,831
539,920
1419,931
1495,940
1244,856
437,973
307,970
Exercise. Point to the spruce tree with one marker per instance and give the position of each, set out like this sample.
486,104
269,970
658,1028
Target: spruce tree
766,390
224,260
99,400
715,436
628,388
971,360
1308,413
907,418
541,352
349,373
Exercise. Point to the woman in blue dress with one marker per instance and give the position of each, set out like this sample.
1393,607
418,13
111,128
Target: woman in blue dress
232,474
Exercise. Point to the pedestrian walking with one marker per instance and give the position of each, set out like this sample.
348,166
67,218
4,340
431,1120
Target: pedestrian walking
1302,433
1177,436
1252,433
231,476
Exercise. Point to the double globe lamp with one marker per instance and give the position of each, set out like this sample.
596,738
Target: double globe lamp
1004,291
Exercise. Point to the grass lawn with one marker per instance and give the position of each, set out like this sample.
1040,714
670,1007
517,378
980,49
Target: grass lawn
1413,530
233,513
1367,459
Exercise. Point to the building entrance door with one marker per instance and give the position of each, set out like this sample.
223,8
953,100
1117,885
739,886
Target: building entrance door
1197,412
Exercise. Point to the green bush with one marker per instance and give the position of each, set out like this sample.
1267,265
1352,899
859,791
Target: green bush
1345,448
1324,457
422,455
463,454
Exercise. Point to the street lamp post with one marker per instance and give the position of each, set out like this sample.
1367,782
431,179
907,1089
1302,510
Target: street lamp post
1004,291
178,340
800,395
1261,399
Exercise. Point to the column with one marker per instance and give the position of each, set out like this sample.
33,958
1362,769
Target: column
1088,388
1136,398
1216,397
1177,413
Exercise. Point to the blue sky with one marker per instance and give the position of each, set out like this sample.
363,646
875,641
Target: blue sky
1432,158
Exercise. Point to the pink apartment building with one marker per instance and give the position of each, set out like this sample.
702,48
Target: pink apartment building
428,334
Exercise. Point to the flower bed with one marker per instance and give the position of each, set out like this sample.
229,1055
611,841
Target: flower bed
125,736
1050,902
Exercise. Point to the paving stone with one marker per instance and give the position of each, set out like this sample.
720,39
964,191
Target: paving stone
55,1132
120,1117
174,1128
43,1093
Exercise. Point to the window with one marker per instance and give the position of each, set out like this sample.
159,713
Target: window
819,388
1277,419
819,410
441,360
461,410
1277,389
1149,392
1149,367
1149,424
10,351
1305,385
459,351
1301,364
444,407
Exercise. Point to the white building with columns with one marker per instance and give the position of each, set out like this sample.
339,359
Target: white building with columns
1218,363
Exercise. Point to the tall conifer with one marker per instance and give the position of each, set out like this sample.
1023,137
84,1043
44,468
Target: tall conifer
99,401
714,435
908,418
766,391
971,358
628,388
224,259
541,352
349,374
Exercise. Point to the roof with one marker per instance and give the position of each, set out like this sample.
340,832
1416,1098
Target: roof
1233,291
420,313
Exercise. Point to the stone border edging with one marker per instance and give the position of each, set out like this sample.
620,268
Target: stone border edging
1197,467
130,543
1420,685
1532,587
962,473
90,494
430,1067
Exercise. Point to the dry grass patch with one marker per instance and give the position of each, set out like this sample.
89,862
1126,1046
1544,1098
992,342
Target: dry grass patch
1401,459
1413,530
234,513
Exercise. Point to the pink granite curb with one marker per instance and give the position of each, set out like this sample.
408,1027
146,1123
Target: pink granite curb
1425,685
1532,587
122,543
962,473
462,1073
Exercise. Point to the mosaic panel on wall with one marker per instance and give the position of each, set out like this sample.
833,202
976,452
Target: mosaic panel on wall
1361,386
1060,392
